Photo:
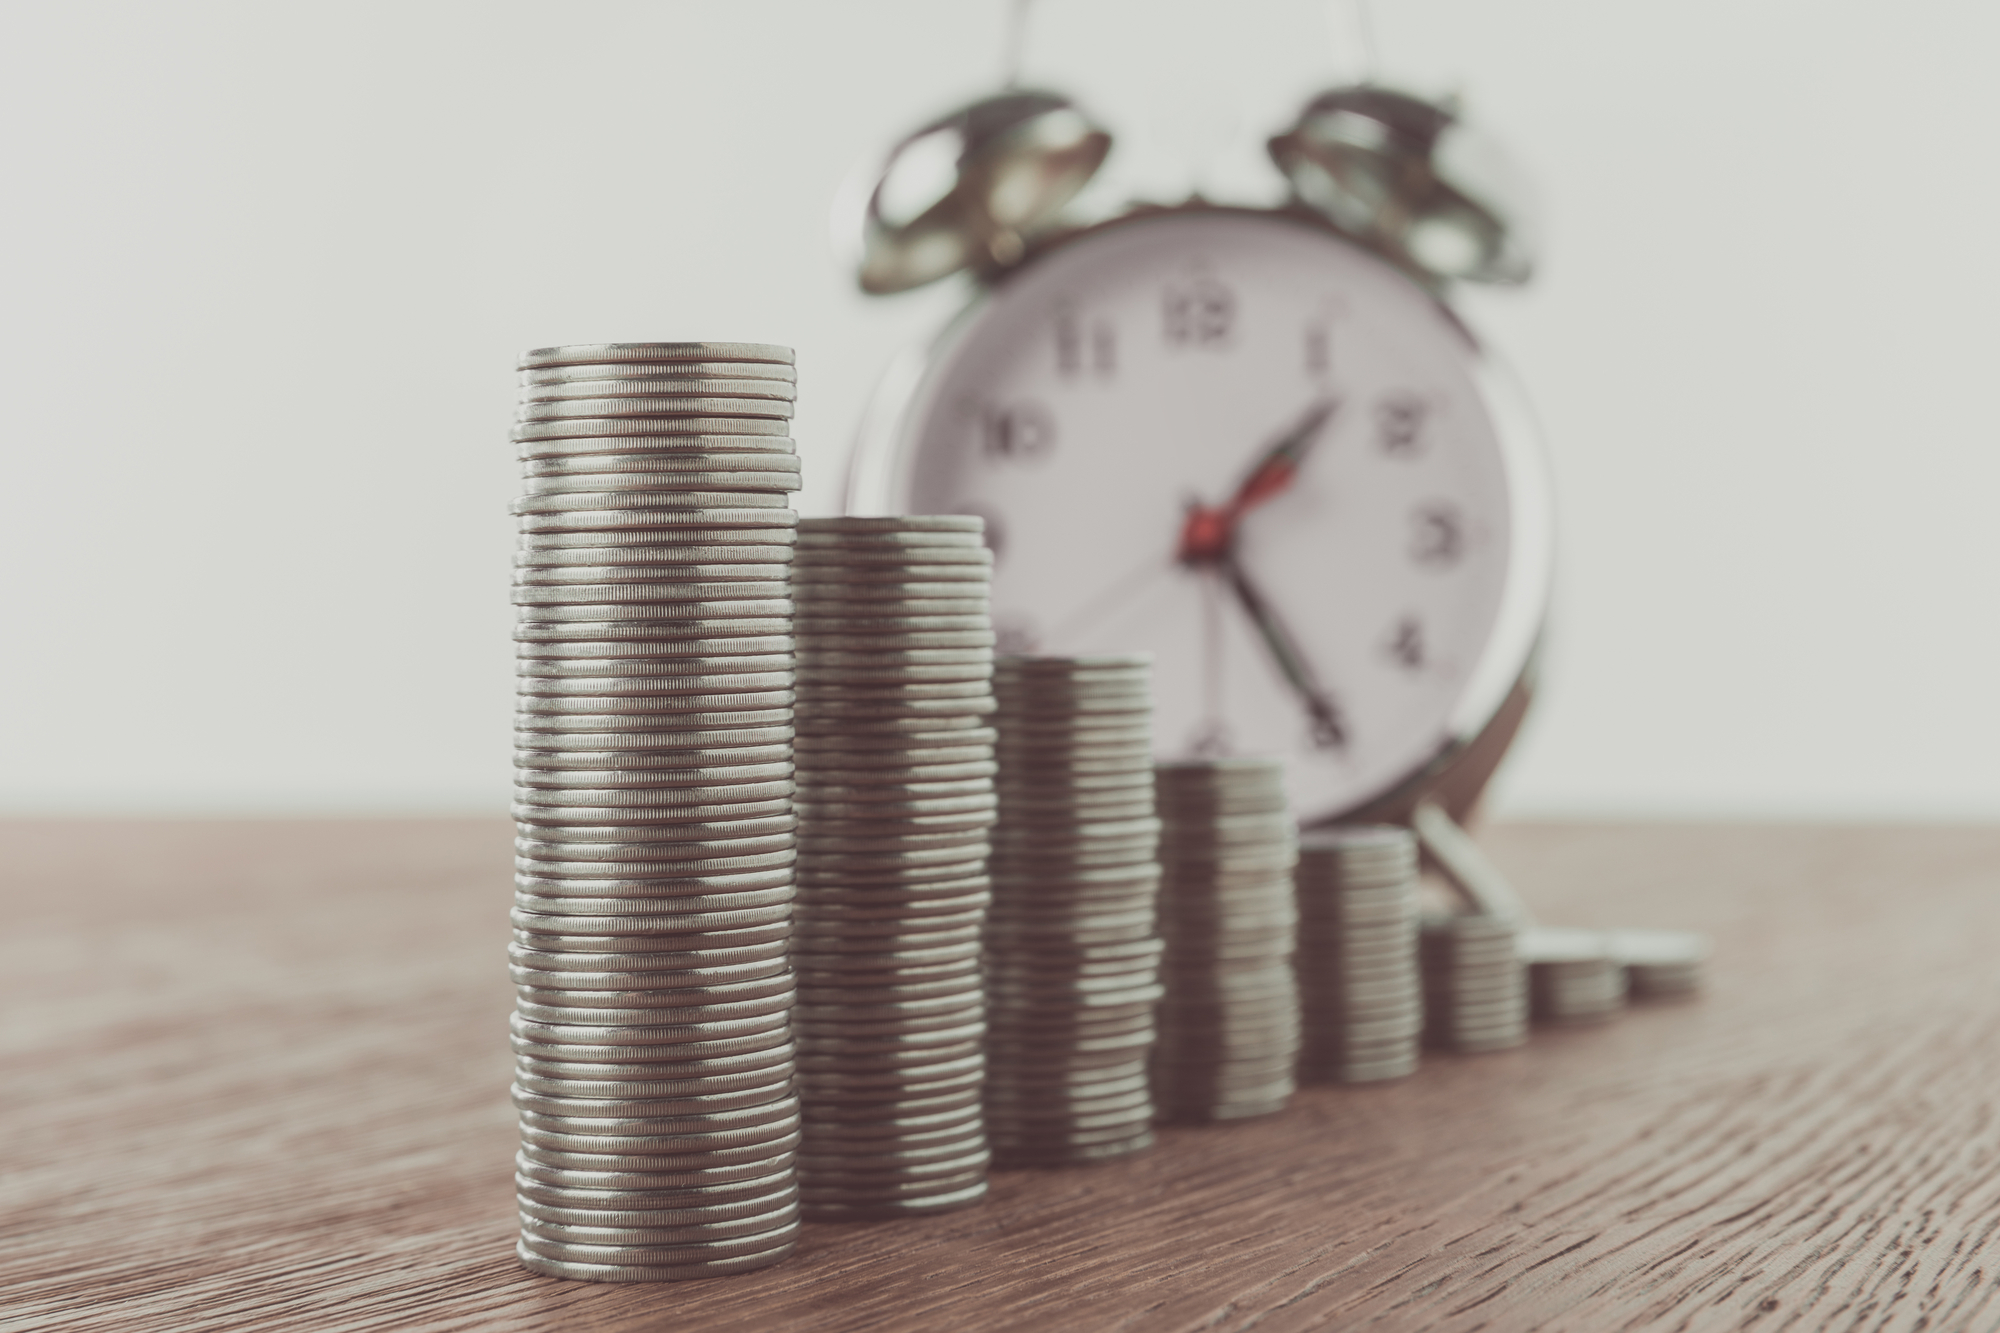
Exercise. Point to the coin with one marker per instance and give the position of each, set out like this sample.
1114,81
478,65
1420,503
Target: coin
630,352
635,386
701,423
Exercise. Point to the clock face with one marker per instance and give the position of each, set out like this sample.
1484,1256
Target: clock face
1251,449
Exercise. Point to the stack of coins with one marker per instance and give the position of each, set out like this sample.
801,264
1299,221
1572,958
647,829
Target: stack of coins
1573,975
895,768
1360,986
1475,990
1072,949
1229,1025
654,847
1661,964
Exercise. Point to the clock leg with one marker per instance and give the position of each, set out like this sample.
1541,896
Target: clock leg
1465,865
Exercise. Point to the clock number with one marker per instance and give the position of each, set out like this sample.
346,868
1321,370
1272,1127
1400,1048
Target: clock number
1399,425
1199,312
1024,431
1406,644
1071,341
1437,535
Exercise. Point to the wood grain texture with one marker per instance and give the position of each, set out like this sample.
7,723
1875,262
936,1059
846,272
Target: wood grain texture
253,1076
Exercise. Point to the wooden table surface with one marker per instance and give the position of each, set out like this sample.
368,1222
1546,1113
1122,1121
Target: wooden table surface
253,1075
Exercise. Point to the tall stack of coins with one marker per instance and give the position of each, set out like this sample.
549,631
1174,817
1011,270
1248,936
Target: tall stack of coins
1475,989
1573,975
1229,1025
1072,949
895,769
654,845
1359,983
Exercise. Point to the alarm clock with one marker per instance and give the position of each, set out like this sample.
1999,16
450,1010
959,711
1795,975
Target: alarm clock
1257,444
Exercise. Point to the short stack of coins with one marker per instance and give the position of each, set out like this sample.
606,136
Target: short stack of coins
1475,988
1229,1025
654,851
1072,945
1661,964
1573,975
1360,987
895,770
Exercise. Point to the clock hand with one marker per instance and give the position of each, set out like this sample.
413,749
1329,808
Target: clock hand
1207,533
1328,730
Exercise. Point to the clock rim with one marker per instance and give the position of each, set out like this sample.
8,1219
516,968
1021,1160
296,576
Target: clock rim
883,446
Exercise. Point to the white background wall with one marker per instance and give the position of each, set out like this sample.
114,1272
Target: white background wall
264,268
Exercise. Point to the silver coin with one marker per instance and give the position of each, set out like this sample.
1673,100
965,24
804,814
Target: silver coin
662,818
566,1085
900,526
661,771
662,1254
813,676
583,449
628,353
824,640
668,1071
835,664
629,524
628,1053
620,485
561,657
644,1228
692,423
835,560
739,1213
675,536
591,1109
691,828
671,1151
772,556
868,742
813,584
720,797
541,581
664,609
615,372
651,409
656,927
893,627
650,1272
641,386
815,577
703,503
728,1143
585,758
646,640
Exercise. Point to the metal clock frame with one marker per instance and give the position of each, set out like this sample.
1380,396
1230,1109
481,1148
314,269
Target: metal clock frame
1493,704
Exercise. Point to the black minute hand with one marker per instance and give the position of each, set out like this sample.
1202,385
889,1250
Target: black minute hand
1328,731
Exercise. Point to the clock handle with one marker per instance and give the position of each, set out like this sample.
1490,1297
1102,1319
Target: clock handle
1477,878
